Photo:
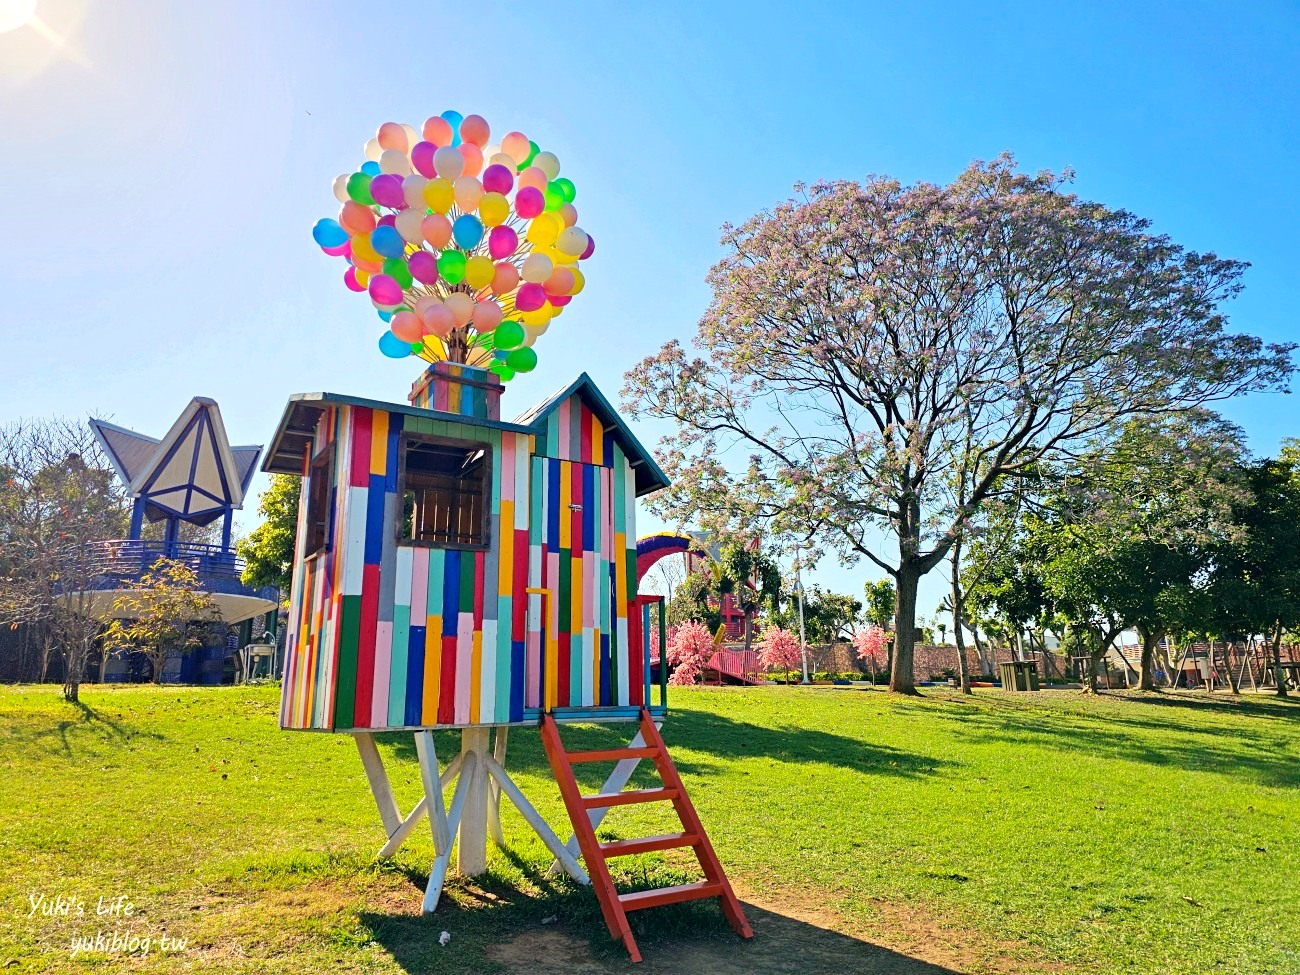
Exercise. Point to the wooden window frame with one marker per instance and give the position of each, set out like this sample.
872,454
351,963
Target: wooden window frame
320,466
486,500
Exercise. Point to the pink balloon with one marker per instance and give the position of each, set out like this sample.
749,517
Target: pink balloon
591,248
473,158
529,297
343,250
529,202
387,220
350,279
497,179
515,145
486,315
502,242
505,279
387,191
534,177
438,131
474,129
439,320
436,229
407,326
559,301
422,159
423,267
385,292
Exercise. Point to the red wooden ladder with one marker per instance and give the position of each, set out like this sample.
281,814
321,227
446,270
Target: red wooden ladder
613,905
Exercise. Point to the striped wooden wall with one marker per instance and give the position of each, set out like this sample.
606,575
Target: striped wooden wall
384,635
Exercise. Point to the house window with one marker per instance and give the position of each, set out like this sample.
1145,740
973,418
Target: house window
318,501
445,499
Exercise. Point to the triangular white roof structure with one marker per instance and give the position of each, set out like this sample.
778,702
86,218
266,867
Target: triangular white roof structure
192,473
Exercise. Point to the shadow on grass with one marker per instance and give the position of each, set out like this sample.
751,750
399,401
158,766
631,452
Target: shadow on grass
707,735
60,739
1159,731
495,928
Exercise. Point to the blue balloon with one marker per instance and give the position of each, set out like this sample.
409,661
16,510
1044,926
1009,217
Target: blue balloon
385,316
388,242
328,233
393,347
454,119
370,168
467,231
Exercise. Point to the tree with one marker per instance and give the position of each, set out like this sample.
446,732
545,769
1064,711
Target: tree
864,340
164,614
869,643
690,647
829,617
780,650
881,601
58,495
268,550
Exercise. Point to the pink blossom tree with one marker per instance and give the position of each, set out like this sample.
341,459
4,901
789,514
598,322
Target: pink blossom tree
779,650
690,646
869,645
881,363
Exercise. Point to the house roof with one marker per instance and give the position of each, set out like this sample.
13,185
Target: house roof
299,423
192,472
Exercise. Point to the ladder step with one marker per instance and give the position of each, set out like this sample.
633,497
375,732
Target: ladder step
667,841
612,754
628,797
669,895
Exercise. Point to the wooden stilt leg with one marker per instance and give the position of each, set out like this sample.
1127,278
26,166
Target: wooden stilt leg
378,779
399,835
503,783
494,796
471,850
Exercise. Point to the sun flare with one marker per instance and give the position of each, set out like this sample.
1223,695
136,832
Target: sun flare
15,14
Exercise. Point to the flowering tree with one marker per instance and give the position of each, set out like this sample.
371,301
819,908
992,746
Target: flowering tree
869,645
690,646
654,644
883,361
779,650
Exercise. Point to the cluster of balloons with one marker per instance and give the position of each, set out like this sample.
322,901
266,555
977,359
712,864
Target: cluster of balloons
467,249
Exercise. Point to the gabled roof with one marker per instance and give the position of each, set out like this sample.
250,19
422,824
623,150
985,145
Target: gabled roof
649,476
192,472
298,424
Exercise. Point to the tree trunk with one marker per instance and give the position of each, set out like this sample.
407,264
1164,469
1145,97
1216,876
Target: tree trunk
1146,668
963,672
1279,674
1227,667
901,678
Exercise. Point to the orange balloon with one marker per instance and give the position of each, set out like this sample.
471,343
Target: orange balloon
406,325
560,282
506,278
391,135
357,219
486,316
474,129
568,213
515,145
532,176
438,131
436,230
473,159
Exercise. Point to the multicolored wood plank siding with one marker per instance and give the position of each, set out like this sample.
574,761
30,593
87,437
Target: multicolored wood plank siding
388,635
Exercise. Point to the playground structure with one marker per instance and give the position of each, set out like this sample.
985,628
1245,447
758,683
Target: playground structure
457,571
191,476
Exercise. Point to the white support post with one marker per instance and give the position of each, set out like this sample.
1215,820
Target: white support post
618,778
378,779
399,835
535,820
494,787
471,851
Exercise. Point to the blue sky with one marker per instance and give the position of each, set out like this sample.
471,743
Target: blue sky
164,163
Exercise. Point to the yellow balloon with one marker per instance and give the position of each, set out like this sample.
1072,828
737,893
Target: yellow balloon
545,228
493,209
479,271
363,277
578,281
541,316
361,248
439,195
568,260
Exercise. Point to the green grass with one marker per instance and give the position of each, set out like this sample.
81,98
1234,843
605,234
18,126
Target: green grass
1046,833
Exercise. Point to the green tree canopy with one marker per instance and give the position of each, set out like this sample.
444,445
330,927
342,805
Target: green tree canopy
268,550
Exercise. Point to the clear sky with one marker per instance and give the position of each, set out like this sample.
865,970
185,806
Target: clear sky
163,162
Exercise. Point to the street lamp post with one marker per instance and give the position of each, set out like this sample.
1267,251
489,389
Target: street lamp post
803,640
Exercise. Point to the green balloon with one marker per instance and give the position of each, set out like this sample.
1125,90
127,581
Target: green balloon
508,335
554,198
396,269
359,189
533,150
522,360
417,347
451,267
566,188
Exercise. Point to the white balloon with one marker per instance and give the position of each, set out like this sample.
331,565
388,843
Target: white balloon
448,162
548,163
394,161
412,137
408,225
503,159
537,268
373,150
413,191
341,188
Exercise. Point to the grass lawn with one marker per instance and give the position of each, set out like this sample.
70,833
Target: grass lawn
1003,833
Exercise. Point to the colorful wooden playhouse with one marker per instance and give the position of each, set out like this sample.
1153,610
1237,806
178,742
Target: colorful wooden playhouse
454,570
